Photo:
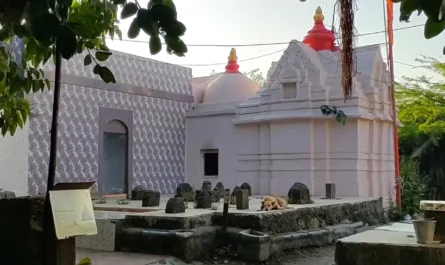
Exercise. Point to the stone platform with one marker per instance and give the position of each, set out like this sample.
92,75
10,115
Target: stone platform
255,234
388,245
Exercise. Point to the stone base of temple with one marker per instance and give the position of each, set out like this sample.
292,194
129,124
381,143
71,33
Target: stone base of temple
387,245
252,234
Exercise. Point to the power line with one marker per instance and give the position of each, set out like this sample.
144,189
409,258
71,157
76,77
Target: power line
270,43
248,59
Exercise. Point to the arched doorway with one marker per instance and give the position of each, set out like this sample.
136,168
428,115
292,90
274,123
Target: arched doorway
115,158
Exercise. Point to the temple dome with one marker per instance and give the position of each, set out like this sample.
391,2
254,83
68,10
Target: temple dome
319,38
231,86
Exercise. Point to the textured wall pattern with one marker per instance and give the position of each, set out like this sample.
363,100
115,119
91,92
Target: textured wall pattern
159,124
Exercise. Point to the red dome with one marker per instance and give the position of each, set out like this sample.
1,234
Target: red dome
319,38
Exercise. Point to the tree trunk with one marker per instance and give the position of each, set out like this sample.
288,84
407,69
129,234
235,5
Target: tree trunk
50,241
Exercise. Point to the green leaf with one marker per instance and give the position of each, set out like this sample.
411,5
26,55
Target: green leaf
96,69
67,42
89,45
179,29
119,33
35,86
48,84
134,29
129,10
45,28
102,55
433,28
87,60
176,44
146,23
85,261
155,45
4,129
12,129
106,75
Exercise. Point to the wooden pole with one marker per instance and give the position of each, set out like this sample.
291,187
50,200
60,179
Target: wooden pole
226,209
390,18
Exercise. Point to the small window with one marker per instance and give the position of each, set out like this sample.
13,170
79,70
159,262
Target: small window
289,90
211,162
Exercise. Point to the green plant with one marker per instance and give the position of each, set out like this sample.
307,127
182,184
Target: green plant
340,116
101,201
85,261
413,188
393,211
123,202
188,196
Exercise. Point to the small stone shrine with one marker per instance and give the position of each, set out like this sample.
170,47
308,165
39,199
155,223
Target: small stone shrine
206,186
242,199
233,195
137,193
219,188
4,194
175,205
203,199
299,194
151,198
183,188
246,186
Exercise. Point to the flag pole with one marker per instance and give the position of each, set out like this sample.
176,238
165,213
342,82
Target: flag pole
390,32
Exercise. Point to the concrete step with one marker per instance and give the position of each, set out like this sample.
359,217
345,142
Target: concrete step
191,244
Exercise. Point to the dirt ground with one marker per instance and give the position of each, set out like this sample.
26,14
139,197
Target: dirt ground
308,256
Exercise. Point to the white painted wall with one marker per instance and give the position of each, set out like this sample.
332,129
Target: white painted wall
211,132
14,162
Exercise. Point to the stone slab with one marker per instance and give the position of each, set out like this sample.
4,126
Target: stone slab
281,221
387,247
438,206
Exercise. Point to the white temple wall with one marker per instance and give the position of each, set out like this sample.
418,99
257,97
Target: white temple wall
215,132
291,154
249,156
344,160
14,161
321,154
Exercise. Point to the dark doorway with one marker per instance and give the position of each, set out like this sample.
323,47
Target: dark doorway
115,158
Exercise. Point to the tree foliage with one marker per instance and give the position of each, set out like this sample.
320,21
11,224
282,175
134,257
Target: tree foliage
72,26
256,76
433,9
421,103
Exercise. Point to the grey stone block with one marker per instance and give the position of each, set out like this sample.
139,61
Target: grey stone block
330,191
242,199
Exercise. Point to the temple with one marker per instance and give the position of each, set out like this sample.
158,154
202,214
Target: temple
276,136
159,127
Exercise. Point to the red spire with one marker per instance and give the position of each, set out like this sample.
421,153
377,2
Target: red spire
232,66
319,38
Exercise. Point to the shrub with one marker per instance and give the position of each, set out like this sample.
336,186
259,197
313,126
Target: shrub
413,186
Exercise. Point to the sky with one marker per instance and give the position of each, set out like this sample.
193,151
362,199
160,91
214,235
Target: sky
231,22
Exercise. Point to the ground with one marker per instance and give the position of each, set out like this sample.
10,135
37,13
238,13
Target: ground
310,256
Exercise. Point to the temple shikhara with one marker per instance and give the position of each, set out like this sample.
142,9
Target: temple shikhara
160,127
275,136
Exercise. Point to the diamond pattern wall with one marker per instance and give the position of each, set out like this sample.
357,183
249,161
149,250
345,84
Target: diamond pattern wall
158,132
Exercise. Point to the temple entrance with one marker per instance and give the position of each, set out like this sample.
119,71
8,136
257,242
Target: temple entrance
115,159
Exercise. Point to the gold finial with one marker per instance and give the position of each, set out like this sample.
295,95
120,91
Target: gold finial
232,56
318,17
